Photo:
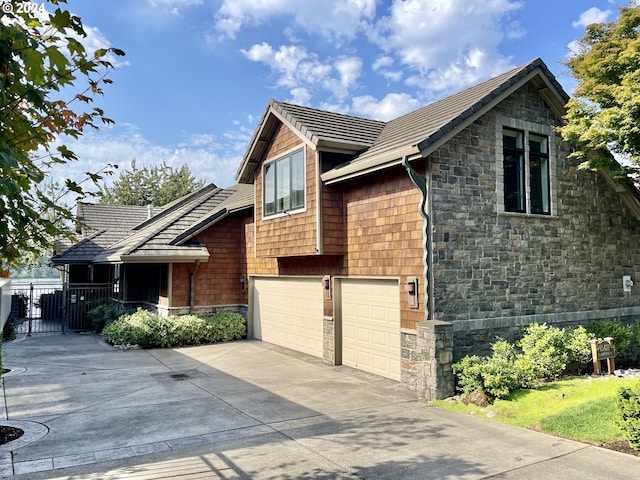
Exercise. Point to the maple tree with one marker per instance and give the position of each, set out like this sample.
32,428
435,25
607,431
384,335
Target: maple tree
604,113
48,81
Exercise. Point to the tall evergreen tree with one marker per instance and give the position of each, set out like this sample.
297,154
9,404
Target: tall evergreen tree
157,185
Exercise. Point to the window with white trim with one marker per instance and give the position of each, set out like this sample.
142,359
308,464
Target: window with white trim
526,172
284,184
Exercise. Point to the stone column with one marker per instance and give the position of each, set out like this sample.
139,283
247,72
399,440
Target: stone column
435,345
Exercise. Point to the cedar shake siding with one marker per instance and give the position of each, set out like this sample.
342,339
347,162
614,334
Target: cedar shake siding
384,232
217,282
285,234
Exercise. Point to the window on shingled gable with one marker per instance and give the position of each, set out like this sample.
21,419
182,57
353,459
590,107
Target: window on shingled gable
284,184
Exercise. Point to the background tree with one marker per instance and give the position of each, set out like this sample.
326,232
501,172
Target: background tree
604,113
42,60
156,185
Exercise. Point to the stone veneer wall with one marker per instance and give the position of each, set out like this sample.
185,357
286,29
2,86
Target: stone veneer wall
495,272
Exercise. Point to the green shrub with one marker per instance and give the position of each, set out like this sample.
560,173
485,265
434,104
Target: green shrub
628,414
577,345
614,328
149,330
134,329
493,375
634,345
468,371
104,314
545,351
226,326
498,372
544,347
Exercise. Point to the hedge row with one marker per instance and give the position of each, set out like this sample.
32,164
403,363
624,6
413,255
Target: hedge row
149,330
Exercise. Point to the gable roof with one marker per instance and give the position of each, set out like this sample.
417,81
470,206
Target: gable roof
376,144
418,133
113,221
320,129
101,225
94,217
165,237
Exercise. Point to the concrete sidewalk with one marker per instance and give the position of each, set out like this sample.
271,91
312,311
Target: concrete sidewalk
251,410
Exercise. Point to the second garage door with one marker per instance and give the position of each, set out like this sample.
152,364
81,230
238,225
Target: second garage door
371,326
288,311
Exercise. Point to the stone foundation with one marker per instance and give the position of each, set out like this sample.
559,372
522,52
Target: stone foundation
328,342
409,358
474,337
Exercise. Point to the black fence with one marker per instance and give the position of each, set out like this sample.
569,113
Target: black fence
53,307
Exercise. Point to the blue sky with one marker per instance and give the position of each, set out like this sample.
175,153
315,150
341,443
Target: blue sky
198,73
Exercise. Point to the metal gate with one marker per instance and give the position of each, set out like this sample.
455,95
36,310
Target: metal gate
38,307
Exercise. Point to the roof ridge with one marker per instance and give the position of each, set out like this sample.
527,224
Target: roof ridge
319,110
221,211
414,132
144,233
170,207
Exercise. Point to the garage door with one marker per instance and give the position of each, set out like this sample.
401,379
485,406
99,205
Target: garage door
289,312
371,326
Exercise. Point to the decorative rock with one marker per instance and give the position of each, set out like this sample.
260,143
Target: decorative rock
629,373
492,414
476,397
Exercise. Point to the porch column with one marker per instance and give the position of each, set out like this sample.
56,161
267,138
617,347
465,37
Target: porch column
435,347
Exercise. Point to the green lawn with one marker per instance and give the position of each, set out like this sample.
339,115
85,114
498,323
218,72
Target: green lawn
580,408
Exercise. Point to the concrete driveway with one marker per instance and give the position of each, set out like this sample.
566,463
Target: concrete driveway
251,410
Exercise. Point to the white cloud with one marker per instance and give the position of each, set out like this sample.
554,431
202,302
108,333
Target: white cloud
302,72
260,53
348,71
435,38
210,159
174,3
391,106
593,15
171,8
299,96
337,18
382,66
469,68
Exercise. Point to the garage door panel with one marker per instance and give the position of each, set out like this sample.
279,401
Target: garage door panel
289,312
371,326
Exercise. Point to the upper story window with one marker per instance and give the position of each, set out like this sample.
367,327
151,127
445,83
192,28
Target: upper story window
526,181
284,184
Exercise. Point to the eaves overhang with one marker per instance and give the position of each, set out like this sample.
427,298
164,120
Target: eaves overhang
271,118
199,254
371,165
536,72
166,258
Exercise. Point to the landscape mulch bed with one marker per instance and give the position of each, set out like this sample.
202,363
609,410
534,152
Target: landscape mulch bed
8,434
621,446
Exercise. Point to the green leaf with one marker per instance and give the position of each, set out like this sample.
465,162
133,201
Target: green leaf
66,153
